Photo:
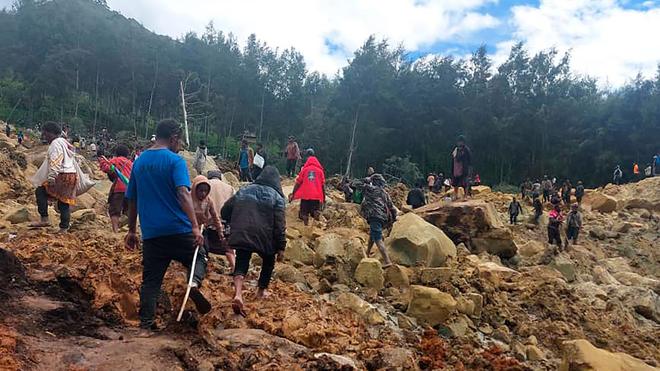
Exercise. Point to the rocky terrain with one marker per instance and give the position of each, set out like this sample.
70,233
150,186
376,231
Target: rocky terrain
468,292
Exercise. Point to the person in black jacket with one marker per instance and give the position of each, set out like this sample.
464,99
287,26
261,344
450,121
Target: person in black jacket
258,225
416,197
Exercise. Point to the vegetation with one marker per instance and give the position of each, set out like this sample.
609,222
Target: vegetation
76,61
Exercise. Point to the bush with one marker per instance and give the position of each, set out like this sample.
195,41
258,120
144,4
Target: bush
397,169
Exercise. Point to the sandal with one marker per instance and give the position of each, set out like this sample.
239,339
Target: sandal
237,306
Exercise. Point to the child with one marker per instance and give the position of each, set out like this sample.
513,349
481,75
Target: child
514,210
555,220
538,208
573,224
117,204
208,216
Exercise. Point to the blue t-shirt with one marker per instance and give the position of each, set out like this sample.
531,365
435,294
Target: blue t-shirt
154,181
244,162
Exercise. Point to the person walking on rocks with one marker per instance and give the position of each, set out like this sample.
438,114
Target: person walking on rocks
573,224
514,210
618,175
219,194
309,188
566,190
60,179
245,161
579,192
256,215
461,160
378,209
556,218
159,193
292,154
200,157
546,185
20,137
117,204
7,130
538,208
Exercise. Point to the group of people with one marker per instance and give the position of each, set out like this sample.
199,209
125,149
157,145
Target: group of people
20,137
650,170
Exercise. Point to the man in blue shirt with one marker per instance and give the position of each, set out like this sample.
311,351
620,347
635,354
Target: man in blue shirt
159,192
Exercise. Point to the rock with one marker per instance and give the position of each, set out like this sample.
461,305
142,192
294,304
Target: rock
84,215
85,201
355,252
459,326
642,300
603,277
534,353
519,351
497,242
531,340
435,276
480,190
365,310
502,334
622,227
581,355
370,273
413,241
600,202
430,305
645,214
615,265
591,294
397,276
565,266
242,339
330,245
342,361
287,273
531,248
478,301
495,273
297,250
634,279
640,203
231,179
406,322
17,216
465,305
602,234
391,358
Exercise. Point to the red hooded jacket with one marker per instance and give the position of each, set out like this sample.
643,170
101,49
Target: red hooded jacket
310,181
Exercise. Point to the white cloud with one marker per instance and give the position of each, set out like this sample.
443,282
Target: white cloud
606,40
307,24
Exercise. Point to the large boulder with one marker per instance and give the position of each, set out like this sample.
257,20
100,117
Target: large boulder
297,250
600,202
430,306
365,310
19,215
475,223
565,266
581,355
397,276
369,273
495,273
330,246
413,241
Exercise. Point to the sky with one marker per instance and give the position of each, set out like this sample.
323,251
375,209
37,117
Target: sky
612,40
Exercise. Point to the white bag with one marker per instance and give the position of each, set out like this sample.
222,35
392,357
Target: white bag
83,183
41,176
259,161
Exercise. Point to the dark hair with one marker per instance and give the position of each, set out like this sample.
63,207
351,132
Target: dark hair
167,128
51,127
121,150
260,145
202,143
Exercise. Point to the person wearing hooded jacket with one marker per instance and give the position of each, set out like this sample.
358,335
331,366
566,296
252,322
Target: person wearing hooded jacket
378,210
309,188
256,216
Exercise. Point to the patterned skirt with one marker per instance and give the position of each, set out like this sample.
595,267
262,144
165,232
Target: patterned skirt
64,188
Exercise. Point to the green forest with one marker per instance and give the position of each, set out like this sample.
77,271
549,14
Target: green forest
79,62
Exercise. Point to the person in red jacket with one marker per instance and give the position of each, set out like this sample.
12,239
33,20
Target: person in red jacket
117,205
310,188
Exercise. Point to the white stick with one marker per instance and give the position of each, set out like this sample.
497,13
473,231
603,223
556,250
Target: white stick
190,280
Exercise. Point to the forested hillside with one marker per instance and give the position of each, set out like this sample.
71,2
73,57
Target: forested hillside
77,61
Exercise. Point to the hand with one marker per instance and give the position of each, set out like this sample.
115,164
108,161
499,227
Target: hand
131,241
280,256
199,239
291,197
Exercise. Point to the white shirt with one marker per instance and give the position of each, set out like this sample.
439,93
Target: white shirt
60,158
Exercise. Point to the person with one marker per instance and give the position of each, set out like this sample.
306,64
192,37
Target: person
209,216
538,208
309,188
439,180
554,198
573,224
292,153
7,130
566,190
546,186
117,204
20,137
514,210
60,182
256,215
92,148
159,193
260,161
416,197
370,171
430,180
220,190
345,187
636,171
556,218
655,164
100,149
245,161
477,180
200,157
579,192
460,165
83,143
618,175
536,187
379,212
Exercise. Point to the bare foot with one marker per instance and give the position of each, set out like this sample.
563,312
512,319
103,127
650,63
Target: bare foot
237,307
262,294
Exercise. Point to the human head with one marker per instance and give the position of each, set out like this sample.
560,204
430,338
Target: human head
575,207
579,182
201,188
514,199
370,171
214,174
121,151
202,143
168,133
460,141
309,152
50,131
244,143
259,146
291,139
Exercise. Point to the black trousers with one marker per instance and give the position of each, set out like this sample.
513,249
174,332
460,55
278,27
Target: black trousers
243,258
554,236
546,195
42,207
513,218
291,167
245,175
157,253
